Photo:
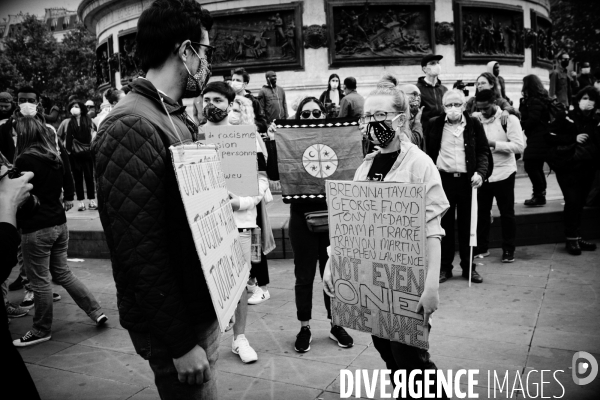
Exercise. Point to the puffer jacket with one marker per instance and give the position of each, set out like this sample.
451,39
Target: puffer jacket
535,117
431,99
161,289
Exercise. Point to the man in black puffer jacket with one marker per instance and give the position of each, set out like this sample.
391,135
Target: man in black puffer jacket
162,295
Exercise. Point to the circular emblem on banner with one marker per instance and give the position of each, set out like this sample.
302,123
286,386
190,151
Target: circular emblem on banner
320,160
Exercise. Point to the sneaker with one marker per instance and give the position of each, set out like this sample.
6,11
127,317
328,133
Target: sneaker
18,283
250,289
445,275
303,340
259,296
15,312
103,319
56,297
587,246
482,255
30,339
475,277
340,335
508,256
81,206
93,205
27,300
241,347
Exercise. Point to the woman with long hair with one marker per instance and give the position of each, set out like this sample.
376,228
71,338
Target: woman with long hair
334,93
77,133
386,123
311,108
577,137
488,81
535,117
45,237
242,113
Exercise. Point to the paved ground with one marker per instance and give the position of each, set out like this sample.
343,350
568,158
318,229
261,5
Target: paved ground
533,314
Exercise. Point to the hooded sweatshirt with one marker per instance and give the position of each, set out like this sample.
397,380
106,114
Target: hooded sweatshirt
490,69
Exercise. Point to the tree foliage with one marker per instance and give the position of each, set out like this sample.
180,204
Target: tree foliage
576,29
58,70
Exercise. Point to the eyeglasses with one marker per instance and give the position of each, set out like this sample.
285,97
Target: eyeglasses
378,116
306,114
455,105
209,51
415,94
22,100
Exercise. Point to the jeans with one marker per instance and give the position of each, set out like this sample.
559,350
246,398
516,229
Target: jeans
45,255
83,169
21,273
575,186
309,248
165,373
399,356
458,191
504,192
535,170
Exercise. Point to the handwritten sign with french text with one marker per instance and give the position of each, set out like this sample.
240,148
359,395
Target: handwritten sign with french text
236,145
378,258
206,200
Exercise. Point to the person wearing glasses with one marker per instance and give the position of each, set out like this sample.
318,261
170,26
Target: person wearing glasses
505,140
457,144
386,124
310,108
164,302
91,108
413,94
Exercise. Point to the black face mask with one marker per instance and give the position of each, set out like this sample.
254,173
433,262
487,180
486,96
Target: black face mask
383,132
213,113
5,114
564,63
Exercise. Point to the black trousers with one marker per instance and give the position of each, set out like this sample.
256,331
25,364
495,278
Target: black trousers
458,192
504,192
535,170
399,356
260,271
309,248
83,169
575,185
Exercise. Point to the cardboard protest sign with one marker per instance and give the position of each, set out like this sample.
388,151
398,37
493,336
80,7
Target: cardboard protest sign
310,151
236,146
378,258
206,200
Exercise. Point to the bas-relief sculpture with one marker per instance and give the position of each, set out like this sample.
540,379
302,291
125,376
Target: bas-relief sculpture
444,33
103,73
129,65
543,49
257,39
489,31
379,32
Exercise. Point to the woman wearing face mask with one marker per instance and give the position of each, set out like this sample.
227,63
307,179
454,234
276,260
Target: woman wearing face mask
575,174
334,93
487,81
242,113
386,117
535,118
78,131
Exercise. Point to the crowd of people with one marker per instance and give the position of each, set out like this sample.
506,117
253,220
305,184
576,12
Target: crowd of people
413,133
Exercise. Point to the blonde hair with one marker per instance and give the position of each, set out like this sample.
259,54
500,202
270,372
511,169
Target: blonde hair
246,109
388,86
454,92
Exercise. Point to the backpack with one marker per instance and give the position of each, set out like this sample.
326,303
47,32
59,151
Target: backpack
557,109
505,127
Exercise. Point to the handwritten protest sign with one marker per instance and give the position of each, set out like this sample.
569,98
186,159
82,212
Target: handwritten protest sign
378,258
237,151
206,200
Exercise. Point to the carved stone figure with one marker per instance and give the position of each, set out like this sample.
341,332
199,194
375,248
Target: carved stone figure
315,36
444,32
491,33
468,36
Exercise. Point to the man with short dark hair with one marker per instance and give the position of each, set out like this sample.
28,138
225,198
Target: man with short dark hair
562,84
585,78
239,82
431,88
353,103
272,99
505,141
163,298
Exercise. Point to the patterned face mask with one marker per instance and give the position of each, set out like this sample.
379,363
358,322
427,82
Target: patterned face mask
213,113
383,132
196,82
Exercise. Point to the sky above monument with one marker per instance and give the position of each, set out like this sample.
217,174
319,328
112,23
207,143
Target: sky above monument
36,7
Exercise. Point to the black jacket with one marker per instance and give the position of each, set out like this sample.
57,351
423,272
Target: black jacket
477,148
48,182
161,289
431,99
563,132
535,117
324,98
259,116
